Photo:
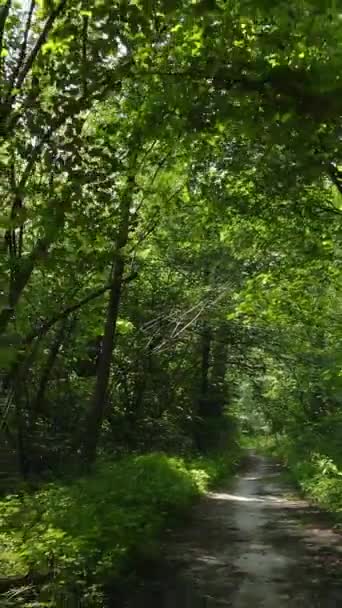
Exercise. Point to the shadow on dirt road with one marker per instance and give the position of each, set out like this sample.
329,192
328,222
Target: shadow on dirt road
249,545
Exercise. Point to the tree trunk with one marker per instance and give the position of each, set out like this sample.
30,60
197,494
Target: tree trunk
218,371
22,276
21,428
36,407
205,365
97,408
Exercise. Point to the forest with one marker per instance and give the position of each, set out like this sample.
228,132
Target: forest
170,270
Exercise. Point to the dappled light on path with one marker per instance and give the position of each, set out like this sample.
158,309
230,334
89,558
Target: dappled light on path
239,498
247,547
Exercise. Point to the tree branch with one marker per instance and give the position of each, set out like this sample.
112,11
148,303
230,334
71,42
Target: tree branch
4,11
335,176
84,55
22,50
46,326
42,38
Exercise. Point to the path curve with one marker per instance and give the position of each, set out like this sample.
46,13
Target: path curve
249,545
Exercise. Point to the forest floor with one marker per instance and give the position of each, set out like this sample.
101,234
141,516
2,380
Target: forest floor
253,543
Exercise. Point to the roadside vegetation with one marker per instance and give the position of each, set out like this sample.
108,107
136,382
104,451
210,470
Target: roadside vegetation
73,540
314,465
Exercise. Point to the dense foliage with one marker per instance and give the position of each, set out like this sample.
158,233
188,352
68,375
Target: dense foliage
170,190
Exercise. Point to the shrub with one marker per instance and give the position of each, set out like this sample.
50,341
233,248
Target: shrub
92,530
317,472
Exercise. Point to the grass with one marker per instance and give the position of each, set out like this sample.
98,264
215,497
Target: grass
92,531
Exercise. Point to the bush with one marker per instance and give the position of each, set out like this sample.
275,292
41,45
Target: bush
314,461
92,530
321,479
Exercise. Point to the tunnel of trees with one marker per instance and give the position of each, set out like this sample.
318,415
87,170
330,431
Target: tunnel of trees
170,214
170,211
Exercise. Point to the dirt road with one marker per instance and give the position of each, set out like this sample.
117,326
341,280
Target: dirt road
249,545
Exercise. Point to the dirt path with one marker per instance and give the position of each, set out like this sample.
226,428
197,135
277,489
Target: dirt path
248,546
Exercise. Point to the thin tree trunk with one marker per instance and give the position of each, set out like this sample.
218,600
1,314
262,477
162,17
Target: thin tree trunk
21,279
22,448
97,408
36,406
205,364
203,404
4,12
218,371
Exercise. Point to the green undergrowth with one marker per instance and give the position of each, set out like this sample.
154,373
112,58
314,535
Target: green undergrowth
315,464
84,534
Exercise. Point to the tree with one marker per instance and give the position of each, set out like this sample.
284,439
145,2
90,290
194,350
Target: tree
171,192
